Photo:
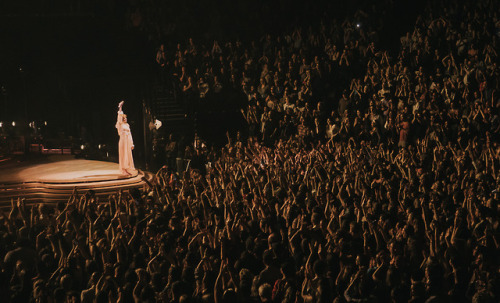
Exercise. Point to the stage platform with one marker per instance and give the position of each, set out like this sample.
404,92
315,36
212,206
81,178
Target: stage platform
50,179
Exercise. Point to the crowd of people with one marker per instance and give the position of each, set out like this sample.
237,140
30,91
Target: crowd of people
363,176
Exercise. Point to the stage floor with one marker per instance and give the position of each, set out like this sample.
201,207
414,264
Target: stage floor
59,169
53,178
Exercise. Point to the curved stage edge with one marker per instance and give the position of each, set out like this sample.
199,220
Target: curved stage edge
52,179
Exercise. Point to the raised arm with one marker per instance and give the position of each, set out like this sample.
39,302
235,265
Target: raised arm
119,118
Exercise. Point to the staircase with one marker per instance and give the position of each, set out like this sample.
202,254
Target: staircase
169,110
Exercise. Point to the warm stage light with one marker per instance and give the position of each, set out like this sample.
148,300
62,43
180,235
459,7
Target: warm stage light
13,123
1,124
158,124
82,147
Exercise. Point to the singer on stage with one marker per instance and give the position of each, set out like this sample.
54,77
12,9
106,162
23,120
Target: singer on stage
126,144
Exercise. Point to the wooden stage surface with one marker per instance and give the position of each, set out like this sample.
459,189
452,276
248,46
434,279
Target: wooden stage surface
51,179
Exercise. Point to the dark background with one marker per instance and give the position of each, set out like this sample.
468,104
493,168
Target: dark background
70,71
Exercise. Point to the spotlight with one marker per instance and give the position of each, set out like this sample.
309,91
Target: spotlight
45,123
13,123
82,147
358,25
158,124
1,124
100,146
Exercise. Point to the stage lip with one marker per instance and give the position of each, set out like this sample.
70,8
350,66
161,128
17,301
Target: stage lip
53,179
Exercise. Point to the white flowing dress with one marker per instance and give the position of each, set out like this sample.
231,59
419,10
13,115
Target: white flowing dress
125,146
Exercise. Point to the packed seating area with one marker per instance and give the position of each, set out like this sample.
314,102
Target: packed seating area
364,175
